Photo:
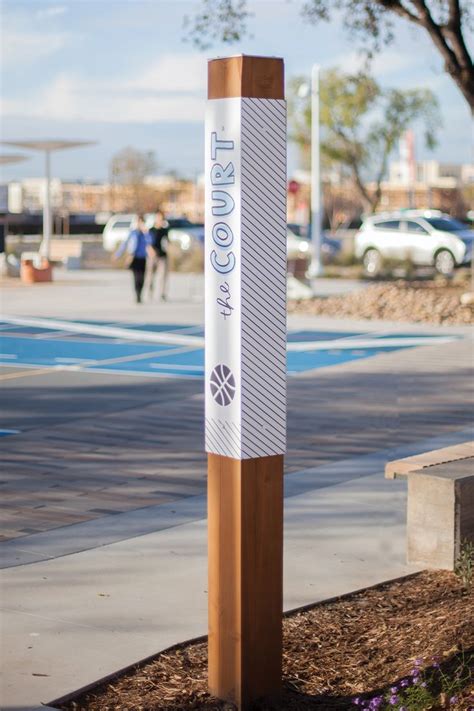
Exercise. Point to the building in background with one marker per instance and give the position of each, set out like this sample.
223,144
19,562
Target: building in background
410,183
441,186
177,197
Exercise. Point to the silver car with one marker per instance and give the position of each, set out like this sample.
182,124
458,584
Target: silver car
429,238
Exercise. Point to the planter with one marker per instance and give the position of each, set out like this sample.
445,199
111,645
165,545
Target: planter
35,268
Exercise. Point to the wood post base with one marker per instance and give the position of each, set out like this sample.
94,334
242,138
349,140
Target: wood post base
245,537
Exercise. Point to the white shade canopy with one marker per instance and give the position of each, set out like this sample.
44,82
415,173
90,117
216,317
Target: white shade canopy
8,158
46,144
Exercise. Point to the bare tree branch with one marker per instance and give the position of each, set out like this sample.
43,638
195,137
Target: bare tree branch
445,21
400,10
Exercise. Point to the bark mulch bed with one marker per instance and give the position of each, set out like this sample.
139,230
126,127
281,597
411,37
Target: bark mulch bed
360,645
419,301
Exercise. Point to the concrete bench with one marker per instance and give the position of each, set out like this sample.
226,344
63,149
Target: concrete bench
400,468
440,513
67,251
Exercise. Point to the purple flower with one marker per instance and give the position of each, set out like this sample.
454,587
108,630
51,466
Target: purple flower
453,699
376,703
423,684
393,689
393,700
356,701
418,662
404,683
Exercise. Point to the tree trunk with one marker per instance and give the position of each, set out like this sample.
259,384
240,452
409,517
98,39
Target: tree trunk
369,201
464,78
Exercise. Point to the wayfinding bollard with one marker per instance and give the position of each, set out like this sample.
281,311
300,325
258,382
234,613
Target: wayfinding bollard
245,277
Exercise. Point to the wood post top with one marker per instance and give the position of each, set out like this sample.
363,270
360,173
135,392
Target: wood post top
246,76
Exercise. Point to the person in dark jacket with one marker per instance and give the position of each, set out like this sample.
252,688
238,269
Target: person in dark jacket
136,248
158,254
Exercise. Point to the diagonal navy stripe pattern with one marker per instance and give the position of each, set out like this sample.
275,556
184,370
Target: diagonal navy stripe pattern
223,438
246,266
263,277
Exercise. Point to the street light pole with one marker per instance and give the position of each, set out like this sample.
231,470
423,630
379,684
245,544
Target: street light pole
316,266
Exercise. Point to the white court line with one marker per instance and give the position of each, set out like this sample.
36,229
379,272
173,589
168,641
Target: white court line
347,343
177,367
75,360
139,373
9,356
111,331
34,370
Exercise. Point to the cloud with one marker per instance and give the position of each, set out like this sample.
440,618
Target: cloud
170,90
383,64
174,73
27,47
52,11
26,39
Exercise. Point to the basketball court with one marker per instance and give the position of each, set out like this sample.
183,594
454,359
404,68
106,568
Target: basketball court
173,350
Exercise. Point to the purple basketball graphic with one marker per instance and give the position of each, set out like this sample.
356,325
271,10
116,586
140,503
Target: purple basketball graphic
222,384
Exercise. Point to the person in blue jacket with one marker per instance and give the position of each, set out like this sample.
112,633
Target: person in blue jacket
136,247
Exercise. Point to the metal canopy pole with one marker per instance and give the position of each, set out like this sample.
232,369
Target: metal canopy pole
47,146
44,247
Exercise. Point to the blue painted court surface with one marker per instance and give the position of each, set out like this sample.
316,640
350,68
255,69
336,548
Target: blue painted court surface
167,350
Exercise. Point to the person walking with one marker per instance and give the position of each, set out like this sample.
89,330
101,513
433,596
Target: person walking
158,254
136,247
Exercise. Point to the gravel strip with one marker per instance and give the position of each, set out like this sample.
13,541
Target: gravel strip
425,302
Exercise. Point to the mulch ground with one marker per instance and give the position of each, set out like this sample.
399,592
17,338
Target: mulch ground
359,645
435,302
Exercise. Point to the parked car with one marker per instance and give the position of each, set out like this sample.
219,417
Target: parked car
116,230
297,247
425,238
330,245
182,232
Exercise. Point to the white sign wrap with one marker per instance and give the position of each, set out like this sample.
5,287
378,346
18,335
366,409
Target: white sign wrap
245,277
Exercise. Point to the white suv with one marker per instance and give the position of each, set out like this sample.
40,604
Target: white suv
429,238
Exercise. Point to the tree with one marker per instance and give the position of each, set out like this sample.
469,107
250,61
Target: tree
130,167
446,23
361,124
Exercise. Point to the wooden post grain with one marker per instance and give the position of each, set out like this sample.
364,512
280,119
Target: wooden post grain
245,577
245,494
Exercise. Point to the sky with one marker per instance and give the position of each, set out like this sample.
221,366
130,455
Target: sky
118,72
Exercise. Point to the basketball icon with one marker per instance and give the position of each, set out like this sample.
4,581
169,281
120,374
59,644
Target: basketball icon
222,384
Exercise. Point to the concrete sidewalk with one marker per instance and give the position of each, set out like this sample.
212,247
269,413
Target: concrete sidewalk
110,292
75,618
83,600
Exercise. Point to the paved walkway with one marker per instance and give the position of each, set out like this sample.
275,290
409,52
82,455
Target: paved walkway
73,619
94,445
